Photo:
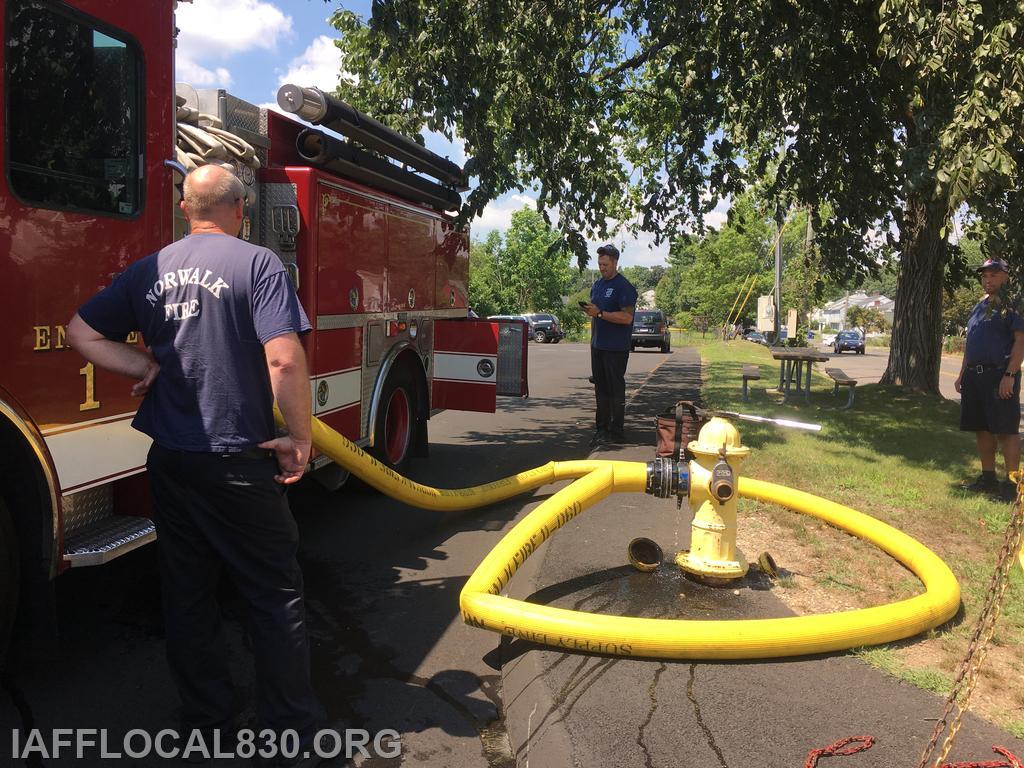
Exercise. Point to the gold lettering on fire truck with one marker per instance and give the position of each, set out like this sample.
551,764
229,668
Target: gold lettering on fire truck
327,199
51,337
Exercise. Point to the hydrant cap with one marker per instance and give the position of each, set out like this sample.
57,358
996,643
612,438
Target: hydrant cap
716,433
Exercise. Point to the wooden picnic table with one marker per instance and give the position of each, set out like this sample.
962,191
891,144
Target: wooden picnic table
791,370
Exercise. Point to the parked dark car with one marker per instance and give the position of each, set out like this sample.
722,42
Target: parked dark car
754,335
848,340
650,329
545,327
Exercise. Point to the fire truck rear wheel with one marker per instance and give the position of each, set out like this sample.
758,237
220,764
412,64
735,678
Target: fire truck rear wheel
396,420
9,581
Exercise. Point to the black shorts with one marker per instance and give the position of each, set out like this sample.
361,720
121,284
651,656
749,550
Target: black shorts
981,408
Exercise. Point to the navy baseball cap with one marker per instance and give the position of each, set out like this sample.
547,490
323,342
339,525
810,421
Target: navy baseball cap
993,264
608,250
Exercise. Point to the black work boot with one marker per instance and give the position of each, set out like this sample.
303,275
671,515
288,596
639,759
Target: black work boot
986,482
1008,487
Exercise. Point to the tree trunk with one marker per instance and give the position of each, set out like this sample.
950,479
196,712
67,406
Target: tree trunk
916,349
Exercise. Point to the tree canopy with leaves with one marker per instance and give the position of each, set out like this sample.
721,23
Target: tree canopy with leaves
641,114
720,276
514,271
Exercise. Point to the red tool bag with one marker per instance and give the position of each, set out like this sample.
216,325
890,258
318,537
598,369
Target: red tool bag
677,426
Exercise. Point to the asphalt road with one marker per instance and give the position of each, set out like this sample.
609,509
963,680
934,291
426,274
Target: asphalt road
390,650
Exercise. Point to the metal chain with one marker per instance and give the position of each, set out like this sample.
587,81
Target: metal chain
851,745
967,674
1009,760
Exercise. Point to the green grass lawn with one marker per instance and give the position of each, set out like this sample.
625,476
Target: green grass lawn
897,456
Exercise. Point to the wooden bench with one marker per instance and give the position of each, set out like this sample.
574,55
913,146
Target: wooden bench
841,380
750,373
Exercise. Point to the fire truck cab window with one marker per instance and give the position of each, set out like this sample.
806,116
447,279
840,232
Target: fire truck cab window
73,113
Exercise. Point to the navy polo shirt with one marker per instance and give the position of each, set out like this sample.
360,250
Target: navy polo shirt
611,296
205,306
990,335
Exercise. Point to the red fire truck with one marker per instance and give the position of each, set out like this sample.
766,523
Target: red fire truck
95,136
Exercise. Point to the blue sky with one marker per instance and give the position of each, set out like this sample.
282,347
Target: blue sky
251,47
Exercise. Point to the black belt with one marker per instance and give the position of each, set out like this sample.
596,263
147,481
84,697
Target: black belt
982,367
249,454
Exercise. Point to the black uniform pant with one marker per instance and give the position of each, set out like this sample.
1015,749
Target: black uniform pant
212,513
609,369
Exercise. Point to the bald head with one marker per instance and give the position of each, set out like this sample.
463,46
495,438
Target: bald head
213,200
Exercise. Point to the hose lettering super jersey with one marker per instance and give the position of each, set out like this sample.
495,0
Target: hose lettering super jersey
205,306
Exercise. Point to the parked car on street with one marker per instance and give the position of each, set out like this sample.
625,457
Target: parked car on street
848,340
754,335
544,327
650,329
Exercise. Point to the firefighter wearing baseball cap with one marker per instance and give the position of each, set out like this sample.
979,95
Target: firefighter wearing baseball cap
989,380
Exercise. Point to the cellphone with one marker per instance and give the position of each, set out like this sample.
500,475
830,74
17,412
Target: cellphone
582,304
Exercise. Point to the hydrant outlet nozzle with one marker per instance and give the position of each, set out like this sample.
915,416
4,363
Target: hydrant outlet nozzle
723,481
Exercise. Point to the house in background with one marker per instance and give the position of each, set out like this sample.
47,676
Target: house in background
833,315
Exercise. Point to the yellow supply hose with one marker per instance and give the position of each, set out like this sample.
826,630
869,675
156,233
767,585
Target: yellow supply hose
400,488
483,606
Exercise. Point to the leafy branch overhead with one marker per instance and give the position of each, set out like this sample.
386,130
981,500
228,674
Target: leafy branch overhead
643,113
608,106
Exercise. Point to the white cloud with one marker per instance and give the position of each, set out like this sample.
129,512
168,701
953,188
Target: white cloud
498,213
716,219
222,28
188,71
634,250
319,66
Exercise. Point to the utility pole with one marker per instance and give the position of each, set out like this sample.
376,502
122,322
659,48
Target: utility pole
778,275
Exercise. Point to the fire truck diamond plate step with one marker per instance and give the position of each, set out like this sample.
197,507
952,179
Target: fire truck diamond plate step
109,538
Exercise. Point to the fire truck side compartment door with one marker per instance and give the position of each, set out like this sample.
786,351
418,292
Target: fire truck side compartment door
465,365
513,337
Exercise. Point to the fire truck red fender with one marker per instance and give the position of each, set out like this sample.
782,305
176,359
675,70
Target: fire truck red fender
17,430
403,353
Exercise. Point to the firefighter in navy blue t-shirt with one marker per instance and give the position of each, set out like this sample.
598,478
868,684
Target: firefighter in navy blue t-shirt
221,322
989,380
612,301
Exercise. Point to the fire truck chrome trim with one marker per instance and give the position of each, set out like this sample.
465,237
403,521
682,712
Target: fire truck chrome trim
333,322
45,464
429,212
378,387
117,535
56,429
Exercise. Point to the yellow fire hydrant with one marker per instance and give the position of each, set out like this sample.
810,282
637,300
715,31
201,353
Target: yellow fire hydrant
713,556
